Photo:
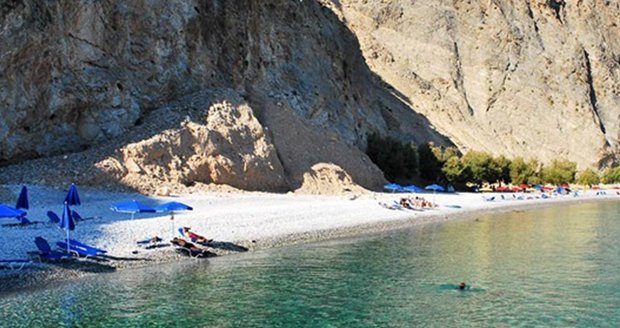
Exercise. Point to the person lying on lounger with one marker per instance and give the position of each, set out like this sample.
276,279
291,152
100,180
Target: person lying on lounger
194,236
195,250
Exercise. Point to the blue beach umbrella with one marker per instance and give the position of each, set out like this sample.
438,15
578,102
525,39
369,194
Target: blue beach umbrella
72,197
435,187
393,187
22,200
132,207
66,222
172,207
413,188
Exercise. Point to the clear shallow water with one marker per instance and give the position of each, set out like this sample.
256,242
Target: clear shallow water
550,267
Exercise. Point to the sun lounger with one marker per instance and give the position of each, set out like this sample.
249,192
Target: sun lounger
189,249
190,253
14,264
53,217
76,216
76,250
152,242
82,245
390,207
80,249
149,240
23,221
46,252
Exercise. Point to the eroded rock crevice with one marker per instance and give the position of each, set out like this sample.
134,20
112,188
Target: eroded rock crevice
592,91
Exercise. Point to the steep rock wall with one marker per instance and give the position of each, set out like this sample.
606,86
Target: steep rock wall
534,78
77,73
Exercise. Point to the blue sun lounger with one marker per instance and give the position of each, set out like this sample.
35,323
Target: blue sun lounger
76,216
82,245
79,251
14,264
149,240
46,252
53,217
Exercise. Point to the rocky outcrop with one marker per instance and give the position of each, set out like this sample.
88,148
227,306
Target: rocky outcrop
74,74
328,179
533,78
229,147
83,75
202,142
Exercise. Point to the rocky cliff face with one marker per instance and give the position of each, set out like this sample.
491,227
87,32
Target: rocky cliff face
116,80
78,75
535,78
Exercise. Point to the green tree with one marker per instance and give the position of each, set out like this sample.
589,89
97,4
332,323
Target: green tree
611,175
560,171
482,167
395,158
456,172
588,177
430,164
503,164
534,179
524,172
444,154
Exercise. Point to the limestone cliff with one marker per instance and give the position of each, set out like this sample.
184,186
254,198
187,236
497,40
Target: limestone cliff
88,75
535,78
147,92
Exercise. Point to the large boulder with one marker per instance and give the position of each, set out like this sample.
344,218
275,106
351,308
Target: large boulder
229,147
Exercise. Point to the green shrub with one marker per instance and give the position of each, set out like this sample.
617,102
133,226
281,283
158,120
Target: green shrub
503,164
395,158
559,171
482,167
524,172
430,163
588,177
456,172
611,175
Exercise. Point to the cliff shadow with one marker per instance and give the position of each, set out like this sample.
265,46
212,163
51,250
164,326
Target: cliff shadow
316,113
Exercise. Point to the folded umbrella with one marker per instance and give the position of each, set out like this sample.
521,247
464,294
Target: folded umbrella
66,222
73,198
22,201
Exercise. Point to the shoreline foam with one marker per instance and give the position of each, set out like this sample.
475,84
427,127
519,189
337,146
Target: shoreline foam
252,220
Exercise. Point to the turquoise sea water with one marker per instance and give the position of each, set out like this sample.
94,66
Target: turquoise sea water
553,267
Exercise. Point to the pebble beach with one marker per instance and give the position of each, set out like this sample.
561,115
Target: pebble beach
246,220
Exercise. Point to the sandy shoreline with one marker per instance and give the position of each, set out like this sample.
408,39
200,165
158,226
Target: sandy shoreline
251,220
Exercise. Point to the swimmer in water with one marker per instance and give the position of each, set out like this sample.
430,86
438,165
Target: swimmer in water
462,286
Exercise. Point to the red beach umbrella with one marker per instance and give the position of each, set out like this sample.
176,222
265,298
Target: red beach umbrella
501,188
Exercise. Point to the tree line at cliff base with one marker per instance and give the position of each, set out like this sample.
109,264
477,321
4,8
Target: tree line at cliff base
405,162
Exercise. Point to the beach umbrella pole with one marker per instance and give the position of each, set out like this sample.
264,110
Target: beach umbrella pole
68,245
